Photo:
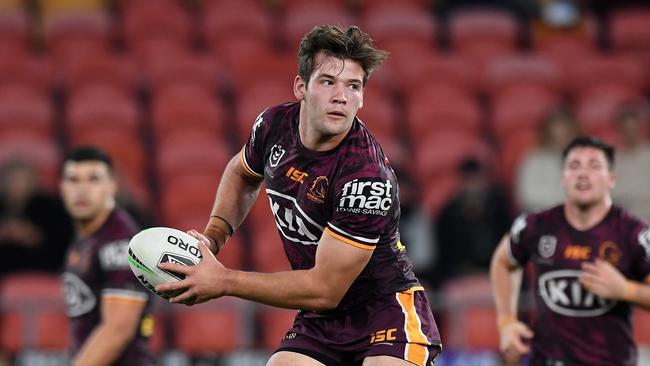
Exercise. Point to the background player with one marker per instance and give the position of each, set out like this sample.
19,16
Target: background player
335,200
591,261
108,308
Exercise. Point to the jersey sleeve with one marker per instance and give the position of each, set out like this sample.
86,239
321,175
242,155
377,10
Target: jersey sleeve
641,252
518,245
252,155
364,207
119,283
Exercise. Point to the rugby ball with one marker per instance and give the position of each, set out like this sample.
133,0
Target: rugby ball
153,246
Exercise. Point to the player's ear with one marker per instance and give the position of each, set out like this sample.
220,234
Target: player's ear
299,87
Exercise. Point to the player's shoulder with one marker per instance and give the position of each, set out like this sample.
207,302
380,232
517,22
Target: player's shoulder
361,153
529,223
625,217
284,112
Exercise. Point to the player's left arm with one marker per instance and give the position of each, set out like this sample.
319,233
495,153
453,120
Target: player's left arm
119,324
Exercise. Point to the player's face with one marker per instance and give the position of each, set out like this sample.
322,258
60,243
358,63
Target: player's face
332,96
87,188
586,178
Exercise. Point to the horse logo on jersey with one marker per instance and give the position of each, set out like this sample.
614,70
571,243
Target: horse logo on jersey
547,245
277,152
610,252
317,190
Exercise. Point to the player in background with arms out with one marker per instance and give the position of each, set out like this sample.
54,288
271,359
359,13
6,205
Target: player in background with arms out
109,309
335,199
592,263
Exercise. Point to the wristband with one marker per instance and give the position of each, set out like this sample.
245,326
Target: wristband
218,230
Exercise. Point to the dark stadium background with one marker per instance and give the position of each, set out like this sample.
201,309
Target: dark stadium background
170,89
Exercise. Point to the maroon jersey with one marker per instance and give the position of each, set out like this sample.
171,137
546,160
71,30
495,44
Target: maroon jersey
573,325
96,269
350,191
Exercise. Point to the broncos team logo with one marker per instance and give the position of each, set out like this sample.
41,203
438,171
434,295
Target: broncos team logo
317,190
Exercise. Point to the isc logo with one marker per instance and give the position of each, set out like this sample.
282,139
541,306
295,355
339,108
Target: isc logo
563,294
367,195
383,335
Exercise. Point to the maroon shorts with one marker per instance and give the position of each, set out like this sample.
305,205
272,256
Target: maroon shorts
399,325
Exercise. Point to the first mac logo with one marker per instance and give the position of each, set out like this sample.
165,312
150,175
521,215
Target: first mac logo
367,197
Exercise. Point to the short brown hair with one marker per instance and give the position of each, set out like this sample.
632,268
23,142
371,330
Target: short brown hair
350,43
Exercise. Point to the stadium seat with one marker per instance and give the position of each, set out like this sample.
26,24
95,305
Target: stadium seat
225,21
187,108
641,323
187,198
189,152
101,68
102,107
183,69
33,315
520,108
470,314
398,22
432,108
25,112
629,29
511,150
602,70
44,153
302,17
213,328
73,34
22,69
437,191
274,324
379,111
566,46
149,21
596,106
517,69
254,99
267,249
14,29
483,33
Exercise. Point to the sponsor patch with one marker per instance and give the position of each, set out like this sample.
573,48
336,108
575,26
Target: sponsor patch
79,298
113,255
644,240
547,245
517,227
367,196
292,221
563,294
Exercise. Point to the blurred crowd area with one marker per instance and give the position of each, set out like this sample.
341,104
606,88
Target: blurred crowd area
472,108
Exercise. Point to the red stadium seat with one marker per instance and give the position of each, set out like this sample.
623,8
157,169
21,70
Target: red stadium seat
629,29
596,107
70,34
213,328
254,99
19,68
397,22
470,314
33,314
606,70
302,17
431,68
44,153
191,151
641,322
183,69
102,107
225,21
437,191
25,112
155,20
274,324
483,33
511,150
520,108
517,69
14,29
267,248
379,112
100,69
442,107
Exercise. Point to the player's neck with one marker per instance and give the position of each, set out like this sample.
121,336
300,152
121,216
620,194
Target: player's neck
90,226
315,141
586,217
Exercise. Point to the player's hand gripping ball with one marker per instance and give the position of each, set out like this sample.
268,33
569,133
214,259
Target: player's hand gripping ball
153,246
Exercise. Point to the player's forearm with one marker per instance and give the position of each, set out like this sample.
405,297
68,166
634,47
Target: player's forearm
506,282
104,346
300,289
236,194
637,293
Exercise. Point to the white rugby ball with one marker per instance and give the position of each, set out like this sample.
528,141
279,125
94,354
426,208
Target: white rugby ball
156,245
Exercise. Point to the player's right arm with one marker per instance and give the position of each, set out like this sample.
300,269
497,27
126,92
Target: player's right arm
235,196
506,281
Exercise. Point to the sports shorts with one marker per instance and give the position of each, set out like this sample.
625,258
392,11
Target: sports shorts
399,325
